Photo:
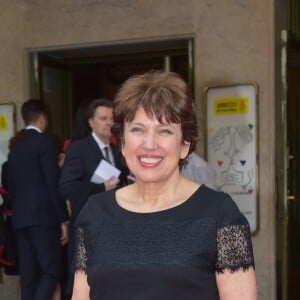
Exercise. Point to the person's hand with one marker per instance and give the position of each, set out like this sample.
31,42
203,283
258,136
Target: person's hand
61,159
111,183
64,233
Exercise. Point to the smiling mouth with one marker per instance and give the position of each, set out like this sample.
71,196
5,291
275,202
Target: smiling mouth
150,160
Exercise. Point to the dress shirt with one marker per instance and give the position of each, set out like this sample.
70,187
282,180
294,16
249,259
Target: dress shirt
33,127
102,146
197,170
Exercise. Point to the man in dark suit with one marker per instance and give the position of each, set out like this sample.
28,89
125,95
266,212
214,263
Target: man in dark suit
83,157
81,160
40,217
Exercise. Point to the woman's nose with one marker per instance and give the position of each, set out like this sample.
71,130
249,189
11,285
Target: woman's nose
150,141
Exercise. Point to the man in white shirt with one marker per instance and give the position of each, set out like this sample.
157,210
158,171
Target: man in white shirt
197,170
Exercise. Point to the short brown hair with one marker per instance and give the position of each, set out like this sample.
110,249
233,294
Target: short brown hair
97,103
163,95
32,109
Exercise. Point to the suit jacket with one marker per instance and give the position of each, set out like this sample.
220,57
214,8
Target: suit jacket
33,175
82,159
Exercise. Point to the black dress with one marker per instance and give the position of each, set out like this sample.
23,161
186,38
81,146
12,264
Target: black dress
171,254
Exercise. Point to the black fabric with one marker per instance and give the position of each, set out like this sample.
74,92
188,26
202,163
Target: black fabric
40,261
33,175
37,212
8,246
106,156
171,254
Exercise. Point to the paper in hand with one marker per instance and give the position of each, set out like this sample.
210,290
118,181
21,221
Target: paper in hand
104,171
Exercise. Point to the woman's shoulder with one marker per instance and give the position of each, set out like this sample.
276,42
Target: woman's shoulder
226,209
215,203
211,196
101,200
97,206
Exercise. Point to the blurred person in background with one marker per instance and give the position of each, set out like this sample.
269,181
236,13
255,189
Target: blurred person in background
40,217
196,169
83,156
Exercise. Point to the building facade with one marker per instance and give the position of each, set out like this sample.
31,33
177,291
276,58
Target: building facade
234,41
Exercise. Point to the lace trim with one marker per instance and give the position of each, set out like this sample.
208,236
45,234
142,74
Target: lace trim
234,249
81,256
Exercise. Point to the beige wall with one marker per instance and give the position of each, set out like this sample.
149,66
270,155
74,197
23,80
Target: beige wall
233,43
11,58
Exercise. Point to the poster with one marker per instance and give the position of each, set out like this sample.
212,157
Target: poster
232,144
7,128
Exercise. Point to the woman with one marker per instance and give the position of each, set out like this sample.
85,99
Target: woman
163,237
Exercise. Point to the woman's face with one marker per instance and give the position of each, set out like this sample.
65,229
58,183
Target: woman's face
152,149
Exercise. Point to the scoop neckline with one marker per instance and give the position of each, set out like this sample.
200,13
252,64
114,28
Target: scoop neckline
159,212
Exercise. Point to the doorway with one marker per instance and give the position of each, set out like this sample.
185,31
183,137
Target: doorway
293,185
289,205
64,78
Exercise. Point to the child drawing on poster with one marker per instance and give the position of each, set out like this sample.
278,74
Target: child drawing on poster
230,145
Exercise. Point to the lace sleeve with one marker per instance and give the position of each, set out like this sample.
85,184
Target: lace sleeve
80,250
234,245
234,249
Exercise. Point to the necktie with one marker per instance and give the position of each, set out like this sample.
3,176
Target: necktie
106,156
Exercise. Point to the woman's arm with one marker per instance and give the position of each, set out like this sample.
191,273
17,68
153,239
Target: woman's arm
237,285
81,289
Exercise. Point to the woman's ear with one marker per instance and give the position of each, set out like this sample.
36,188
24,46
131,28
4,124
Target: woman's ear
122,146
185,149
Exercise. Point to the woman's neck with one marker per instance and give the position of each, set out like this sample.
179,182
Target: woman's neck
150,197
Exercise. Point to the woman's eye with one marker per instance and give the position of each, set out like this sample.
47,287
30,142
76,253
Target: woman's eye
136,129
166,131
